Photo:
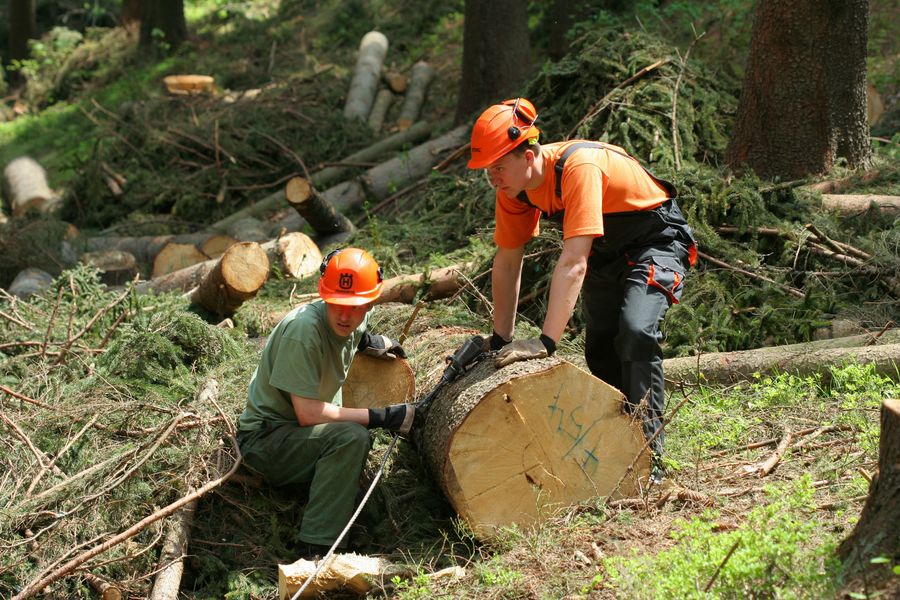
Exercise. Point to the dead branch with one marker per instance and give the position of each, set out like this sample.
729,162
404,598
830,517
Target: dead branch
776,456
59,454
724,265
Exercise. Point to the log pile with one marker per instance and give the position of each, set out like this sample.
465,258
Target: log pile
25,186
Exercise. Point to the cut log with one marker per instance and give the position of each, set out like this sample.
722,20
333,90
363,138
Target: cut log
507,444
419,80
383,101
372,383
440,283
236,278
143,248
189,85
350,572
25,185
107,590
800,359
381,181
315,209
876,531
372,50
29,282
396,81
295,254
250,229
117,267
215,245
836,186
854,204
330,175
171,558
175,256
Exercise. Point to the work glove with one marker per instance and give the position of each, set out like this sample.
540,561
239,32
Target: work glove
396,417
383,347
525,350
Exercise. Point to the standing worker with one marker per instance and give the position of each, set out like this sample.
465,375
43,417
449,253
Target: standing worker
626,247
293,428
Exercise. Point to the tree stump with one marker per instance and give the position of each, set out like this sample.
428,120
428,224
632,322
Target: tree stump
352,572
236,278
506,444
372,382
876,532
372,50
25,183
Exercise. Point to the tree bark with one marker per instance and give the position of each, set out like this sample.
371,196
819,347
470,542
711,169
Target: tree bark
131,12
171,558
381,181
30,281
876,531
22,27
237,277
855,204
25,184
315,209
419,80
803,102
295,253
508,444
366,75
383,100
800,359
496,53
329,175
165,16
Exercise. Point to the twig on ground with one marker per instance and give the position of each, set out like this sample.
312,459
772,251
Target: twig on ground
715,575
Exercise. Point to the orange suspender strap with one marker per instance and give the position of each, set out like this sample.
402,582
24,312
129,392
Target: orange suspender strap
670,293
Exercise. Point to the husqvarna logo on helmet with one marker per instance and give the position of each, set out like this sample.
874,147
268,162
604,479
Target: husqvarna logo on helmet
346,281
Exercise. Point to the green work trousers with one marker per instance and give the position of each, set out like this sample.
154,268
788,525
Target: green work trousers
330,457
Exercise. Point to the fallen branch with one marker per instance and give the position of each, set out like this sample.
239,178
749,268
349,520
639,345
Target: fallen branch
724,265
766,467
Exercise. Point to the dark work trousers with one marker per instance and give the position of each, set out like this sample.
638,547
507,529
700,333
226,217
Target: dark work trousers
635,273
330,457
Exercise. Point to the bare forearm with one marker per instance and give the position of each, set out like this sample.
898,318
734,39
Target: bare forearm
565,285
505,282
314,412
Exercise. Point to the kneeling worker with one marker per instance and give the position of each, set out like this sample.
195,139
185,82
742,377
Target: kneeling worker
293,428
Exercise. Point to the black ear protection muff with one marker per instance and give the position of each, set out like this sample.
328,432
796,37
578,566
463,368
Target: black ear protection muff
514,132
327,258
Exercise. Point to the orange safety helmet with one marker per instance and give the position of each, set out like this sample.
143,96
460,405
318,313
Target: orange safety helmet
350,276
501,128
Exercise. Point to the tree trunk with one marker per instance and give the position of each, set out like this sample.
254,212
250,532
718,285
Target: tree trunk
381,181
330,175
25,184
857,204
366,75
801,359
419,80
131,12
171,559
22,27
166,18
315,209
175,256
496,53
116,267
803,102
237,277
507,444
383,101
440,283
876,531
372,382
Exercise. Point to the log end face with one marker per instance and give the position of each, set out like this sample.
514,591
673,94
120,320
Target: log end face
245,267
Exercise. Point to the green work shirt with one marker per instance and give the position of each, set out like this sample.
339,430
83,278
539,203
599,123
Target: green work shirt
303,356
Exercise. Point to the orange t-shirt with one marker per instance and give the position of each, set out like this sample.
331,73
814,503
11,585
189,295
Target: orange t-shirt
595,181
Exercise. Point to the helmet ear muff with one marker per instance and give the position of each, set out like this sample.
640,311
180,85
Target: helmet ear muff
513,132
326,260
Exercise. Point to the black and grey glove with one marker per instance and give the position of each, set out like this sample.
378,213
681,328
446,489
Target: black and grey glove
381,347
396,417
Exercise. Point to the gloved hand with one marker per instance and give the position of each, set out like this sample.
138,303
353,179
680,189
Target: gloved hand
397,417
383,347
525,350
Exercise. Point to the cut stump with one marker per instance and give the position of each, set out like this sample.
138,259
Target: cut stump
350,572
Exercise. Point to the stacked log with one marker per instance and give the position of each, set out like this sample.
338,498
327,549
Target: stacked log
372,50
419,80
236,277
